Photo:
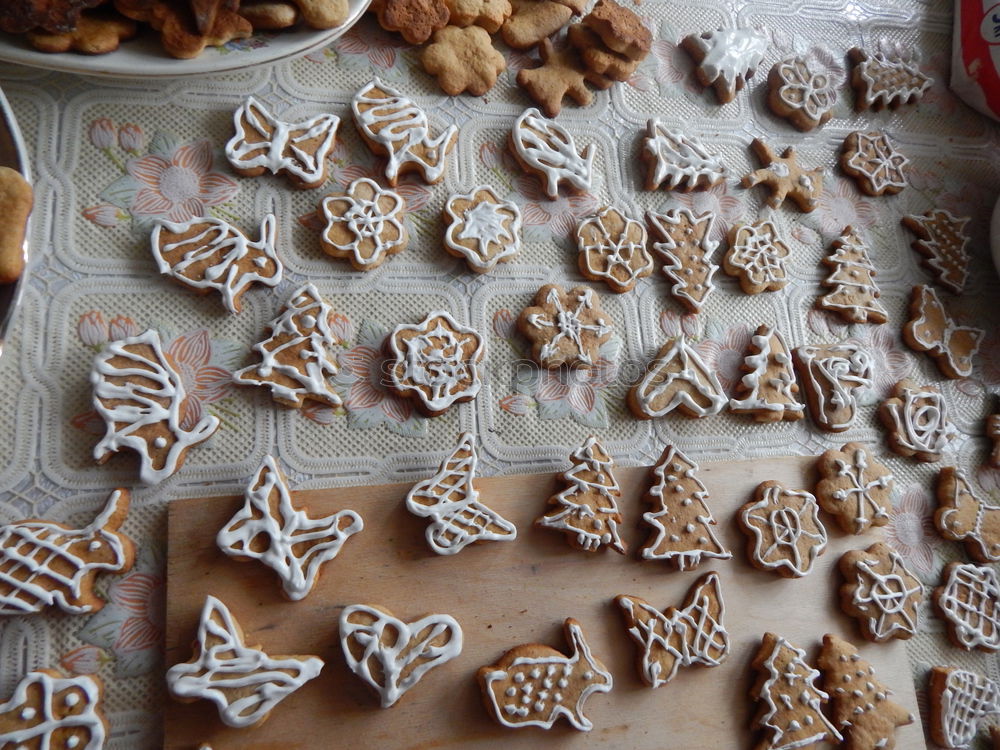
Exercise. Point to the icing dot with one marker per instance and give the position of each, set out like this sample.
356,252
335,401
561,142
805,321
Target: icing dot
28,713
72,699
511,692
72,742
260,262
93,547
160,442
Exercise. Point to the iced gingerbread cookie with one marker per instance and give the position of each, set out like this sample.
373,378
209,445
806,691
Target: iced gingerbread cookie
862,708
210,254
612,249
139,394
533,685
832,376
783,530
392,655
968,600
725,58
942,241
482,229
931,329
47,564
451,501
854,488
853,292
677,378
756,257
50,711
393,126
767,390
693,635
298,359
586,511
545,148
961,703
16,200
874,163
880,81
678,162
565,328
961,516
561,74
801,94
681,521
298,150
463,59
881,593
287,540
486,14
364,225
783,176
683,243
416,20
918,422
244,682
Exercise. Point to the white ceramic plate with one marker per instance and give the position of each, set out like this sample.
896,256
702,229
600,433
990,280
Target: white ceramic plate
144,58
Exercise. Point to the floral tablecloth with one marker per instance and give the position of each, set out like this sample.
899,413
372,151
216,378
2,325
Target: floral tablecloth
112,156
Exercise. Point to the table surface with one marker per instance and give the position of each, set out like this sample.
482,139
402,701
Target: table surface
112,156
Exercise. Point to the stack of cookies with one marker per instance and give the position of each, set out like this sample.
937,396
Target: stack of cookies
612,41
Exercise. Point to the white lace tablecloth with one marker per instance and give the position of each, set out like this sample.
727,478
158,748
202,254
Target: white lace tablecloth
112,156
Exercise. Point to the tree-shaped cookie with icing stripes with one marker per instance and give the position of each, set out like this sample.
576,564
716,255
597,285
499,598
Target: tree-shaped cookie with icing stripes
677,378
677,161
853,292
942,241
767,390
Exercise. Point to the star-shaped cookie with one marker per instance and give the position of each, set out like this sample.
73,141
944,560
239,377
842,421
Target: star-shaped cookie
785,178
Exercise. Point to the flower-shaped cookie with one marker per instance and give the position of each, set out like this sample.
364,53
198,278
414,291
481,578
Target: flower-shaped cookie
565,328
365,225
799,94
482,229
463,59
786,535
918,421
436,362
880,592
613,249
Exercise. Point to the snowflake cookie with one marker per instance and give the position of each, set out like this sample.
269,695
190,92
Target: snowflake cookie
855,488
677,378
853,293
931,329
545,148
881,593
612,249
918,421
968,599
942,241
785,178
364,225
874,163
801,94
784,531
565,328
880,81
678,162
767,390
392,655
756,256
435,362
482,229
963,516
832,375
50,711
725,58
961,702
685,247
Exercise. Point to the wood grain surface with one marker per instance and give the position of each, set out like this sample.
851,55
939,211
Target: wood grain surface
504,594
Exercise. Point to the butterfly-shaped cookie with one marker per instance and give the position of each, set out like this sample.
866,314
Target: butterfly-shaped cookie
931,329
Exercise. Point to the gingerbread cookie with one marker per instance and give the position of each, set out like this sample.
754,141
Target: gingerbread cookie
874,163
855,488
208,253
48,564
968,600
767,390
50,711
177,25
287,540
832,375
244,682
482,229
364,225
931,329
791,703
16,199
263,143
693,635
962,516
853,293
682,522
862,709
961,702
565,328
17,18
323,14
561,74
450,499
918,422
942,241
783,529
486,14
463,59
783,176
532,685
95,33
725,58
685,247
881,592
677,378
603,66
140,395
801,94
435,362
393,126
612,249
532,21
299,359
587,509
993,433
268,15
392,655
677,161
756,256
545,148
879,81
620,29
416,20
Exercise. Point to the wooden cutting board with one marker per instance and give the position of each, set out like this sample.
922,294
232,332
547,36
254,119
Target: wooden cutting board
504,594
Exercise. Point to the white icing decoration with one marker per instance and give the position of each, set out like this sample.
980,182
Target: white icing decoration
967,701
268,516
224,248
883,167
786,527
243,682
985,522
568,325
832,375
682,161
493,226
758,254
547,147
920,422
730,56
303,322
970,601
772,394
682,259
889,82
402,652
803,89
47,727
451,500
398,125
942,240
934,331
699,390
888,594
854,293
610,257
262,140
860,489
579,671
679,637
376,232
